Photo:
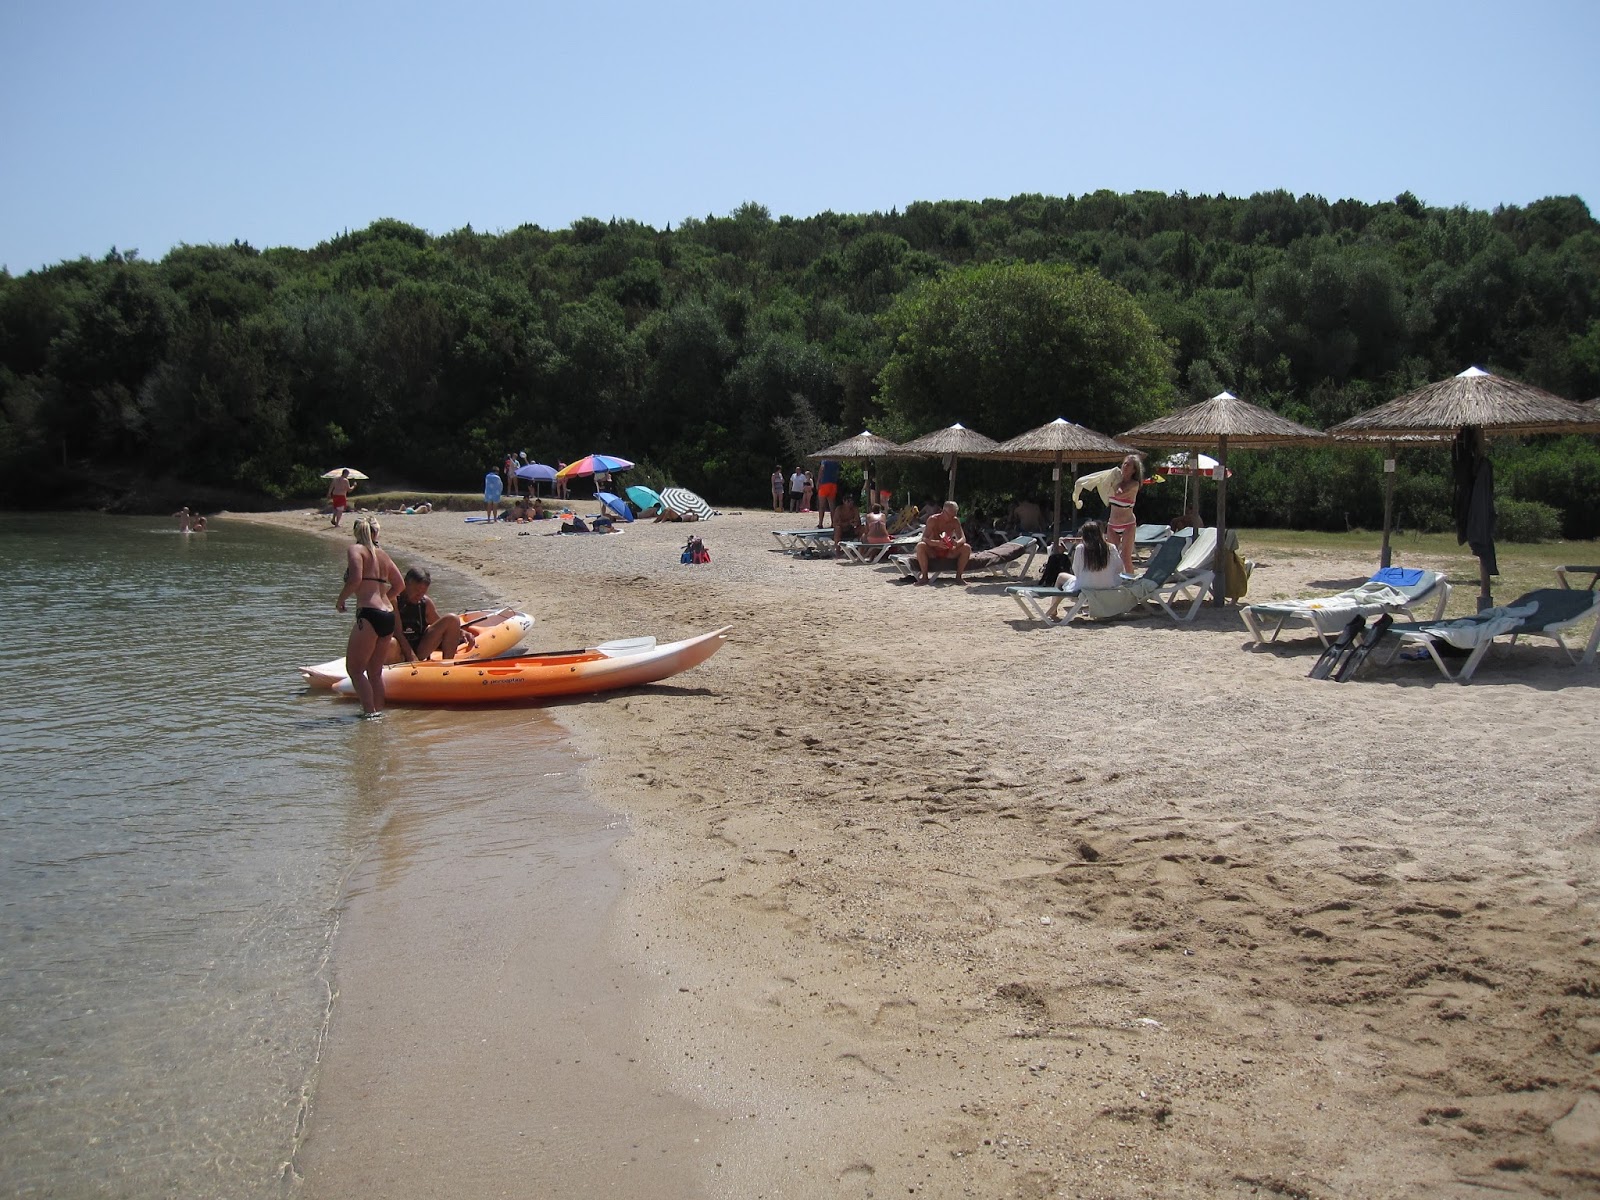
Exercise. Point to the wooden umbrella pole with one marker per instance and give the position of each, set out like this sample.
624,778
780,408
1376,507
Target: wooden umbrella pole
1056,536
1219,575
1388,500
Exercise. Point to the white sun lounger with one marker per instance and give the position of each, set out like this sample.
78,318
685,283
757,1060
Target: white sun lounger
1392,590
1043,604
804,542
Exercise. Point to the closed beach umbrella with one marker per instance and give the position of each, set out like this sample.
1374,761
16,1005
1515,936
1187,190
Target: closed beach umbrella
644,497
1219,422
686,504
1061,441
950,444
1463,407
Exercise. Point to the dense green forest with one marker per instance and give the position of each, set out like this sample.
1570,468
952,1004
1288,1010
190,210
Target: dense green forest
709,351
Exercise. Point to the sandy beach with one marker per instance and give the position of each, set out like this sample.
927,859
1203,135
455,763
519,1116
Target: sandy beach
918,901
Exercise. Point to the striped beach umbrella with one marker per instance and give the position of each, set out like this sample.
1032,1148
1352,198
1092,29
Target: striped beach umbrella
686,504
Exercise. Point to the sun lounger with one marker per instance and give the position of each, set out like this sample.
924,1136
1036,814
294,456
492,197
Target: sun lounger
804,543
1592,572
1392,590
1545,612
1147,537
872,553
1011,558
1044,604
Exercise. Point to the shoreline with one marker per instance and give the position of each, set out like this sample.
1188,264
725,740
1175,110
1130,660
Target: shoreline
954,907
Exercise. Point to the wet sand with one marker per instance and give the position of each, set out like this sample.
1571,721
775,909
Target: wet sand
953,907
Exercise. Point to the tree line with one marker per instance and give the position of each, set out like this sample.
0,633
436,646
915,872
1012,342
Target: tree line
711,350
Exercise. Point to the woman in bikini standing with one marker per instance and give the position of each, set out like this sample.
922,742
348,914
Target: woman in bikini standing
372,578
1121,525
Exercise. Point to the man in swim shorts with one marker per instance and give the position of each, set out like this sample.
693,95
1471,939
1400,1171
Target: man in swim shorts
943,537
339,492
420,623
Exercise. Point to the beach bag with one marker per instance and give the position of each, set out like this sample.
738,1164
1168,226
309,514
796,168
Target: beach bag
1235,575
694,551
1058,562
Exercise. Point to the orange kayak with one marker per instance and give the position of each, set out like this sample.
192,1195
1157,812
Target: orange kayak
497,632
602,668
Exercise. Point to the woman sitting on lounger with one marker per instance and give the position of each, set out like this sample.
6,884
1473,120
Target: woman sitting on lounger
1095,562
876,532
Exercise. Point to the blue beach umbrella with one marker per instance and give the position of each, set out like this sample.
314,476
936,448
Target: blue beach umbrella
616,505
537,472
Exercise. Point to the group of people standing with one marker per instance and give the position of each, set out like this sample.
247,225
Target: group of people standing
799,491
395,617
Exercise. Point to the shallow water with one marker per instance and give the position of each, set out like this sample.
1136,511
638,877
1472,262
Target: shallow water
178,818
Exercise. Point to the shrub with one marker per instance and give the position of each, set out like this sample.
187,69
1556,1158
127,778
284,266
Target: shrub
1526,521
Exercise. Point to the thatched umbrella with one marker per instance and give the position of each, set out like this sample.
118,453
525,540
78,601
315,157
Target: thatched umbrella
1059,442
1474,399
949,444
866,447
1496,405
1222,421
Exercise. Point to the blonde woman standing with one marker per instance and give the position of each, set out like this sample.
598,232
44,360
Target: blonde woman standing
1121,525
372,578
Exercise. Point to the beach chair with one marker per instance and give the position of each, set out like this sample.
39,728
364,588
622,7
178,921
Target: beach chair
804,543
1592,572
1043,604
907,520
1147,537
1011,558
1393,590
872,553
1193,579
1545,612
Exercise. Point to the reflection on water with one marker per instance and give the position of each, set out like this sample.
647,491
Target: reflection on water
177,818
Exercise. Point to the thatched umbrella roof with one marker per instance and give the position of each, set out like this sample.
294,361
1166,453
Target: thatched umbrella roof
1061,441
1224,416
1222,421
1494,404
957,440
1049,443
950,444
865,444
1475,397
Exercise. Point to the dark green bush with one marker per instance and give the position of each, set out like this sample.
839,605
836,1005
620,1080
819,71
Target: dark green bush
1526,521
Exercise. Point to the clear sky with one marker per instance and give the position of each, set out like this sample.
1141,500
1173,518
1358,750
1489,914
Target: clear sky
144,124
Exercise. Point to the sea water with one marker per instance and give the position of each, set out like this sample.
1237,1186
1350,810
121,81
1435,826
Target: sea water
178,817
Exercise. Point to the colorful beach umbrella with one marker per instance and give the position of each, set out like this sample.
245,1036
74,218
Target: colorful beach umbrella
594,464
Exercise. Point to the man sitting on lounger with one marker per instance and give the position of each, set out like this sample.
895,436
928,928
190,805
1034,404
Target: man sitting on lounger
943,538
846,522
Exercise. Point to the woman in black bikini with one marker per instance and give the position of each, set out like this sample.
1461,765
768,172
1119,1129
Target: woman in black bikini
372,578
